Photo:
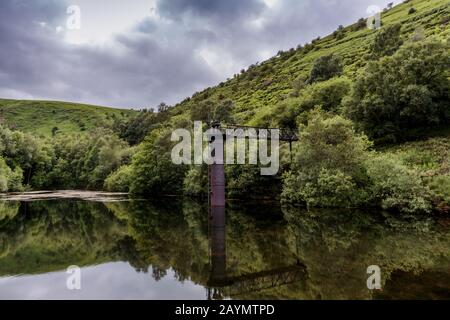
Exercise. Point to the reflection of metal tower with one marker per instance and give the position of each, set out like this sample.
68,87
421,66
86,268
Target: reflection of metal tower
221,285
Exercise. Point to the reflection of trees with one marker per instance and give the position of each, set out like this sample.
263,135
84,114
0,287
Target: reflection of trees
338,246
335,246
51,235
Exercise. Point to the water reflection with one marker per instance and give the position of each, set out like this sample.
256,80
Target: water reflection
222,285
173,250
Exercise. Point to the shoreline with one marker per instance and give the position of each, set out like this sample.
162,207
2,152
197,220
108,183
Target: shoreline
97,196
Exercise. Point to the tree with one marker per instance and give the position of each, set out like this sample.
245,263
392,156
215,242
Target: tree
10,180
361,24
387,41
407,90
326,67
154,173
54,130
328,164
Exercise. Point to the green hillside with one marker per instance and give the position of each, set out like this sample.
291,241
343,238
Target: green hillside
40,117
258,89
352,90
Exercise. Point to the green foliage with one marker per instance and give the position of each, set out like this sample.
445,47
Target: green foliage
396,186
195,182
334,168
85,161
440,187
326,67
329,151
412,10
136,128
153,170
326,94
405,91
10,180
120,180
361,24
387,41
213,111
65,161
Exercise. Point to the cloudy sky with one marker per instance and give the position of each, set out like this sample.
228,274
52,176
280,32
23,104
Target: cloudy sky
138,53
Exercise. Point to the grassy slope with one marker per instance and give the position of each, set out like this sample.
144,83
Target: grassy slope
258,89
40,117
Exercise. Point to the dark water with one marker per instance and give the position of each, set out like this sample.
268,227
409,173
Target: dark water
143,250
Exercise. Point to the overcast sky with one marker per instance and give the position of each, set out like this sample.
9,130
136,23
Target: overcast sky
138,53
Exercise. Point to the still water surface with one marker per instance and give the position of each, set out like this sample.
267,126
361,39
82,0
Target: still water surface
171,250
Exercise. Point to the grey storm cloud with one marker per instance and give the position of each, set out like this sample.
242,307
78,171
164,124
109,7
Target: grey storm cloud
225,11
192,45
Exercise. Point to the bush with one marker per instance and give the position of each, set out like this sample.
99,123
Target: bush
361,24
440,187
154,173
405,91
120,180
396,186
10,180
412,10
328,164
196,181
333,167
326,67
327,94
387,41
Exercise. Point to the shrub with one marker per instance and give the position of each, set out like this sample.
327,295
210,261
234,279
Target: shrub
412,10
154,173
195,182
405,91
361,24
387,41
440,187
326,67
396,186
328,164
120,180
326,94
10,180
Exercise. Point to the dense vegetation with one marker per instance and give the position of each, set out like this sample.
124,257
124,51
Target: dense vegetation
353,95
65,161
